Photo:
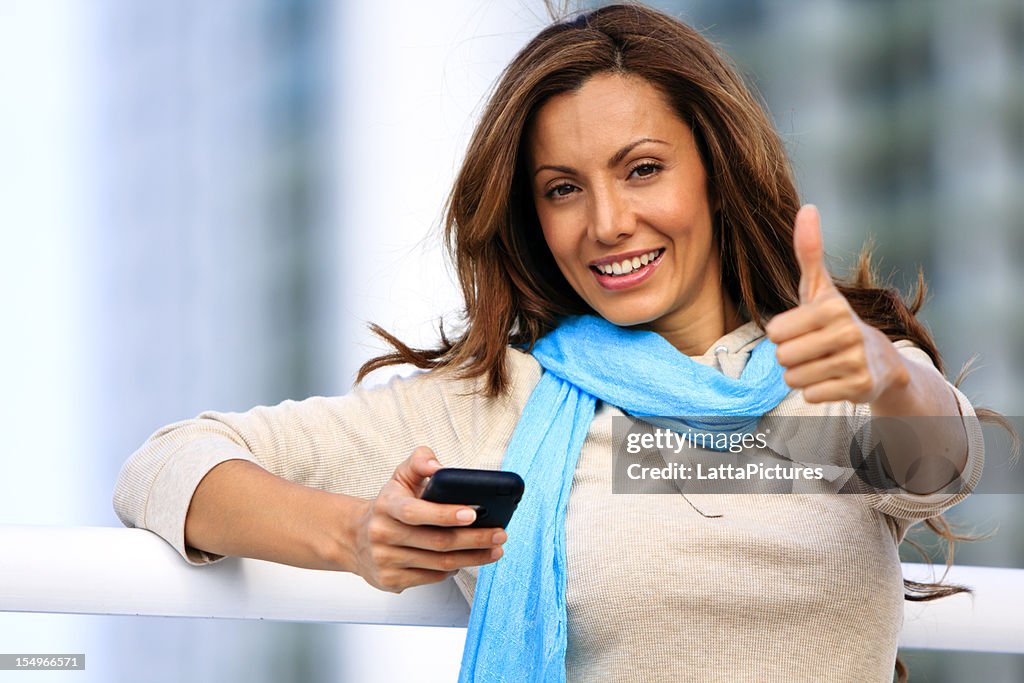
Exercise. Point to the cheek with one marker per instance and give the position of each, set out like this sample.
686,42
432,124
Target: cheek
557,237
687,221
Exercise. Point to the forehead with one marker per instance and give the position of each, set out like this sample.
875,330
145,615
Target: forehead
606,112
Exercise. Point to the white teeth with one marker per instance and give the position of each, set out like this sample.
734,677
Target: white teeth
628,265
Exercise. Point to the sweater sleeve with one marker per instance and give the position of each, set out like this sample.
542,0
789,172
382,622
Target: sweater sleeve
348,444
908,508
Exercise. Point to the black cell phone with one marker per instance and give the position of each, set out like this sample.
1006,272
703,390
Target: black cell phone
493,493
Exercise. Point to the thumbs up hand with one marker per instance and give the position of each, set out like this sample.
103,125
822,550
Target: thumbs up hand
827,350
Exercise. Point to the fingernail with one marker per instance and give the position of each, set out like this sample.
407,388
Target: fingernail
499,537
465,515
433,462
496,553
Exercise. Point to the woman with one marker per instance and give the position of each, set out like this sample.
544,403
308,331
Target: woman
628,241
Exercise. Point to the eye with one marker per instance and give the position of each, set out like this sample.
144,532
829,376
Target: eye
560,190
645,169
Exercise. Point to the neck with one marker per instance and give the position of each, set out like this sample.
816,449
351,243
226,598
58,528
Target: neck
696,334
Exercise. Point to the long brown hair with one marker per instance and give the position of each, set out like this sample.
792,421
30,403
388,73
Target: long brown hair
512,288
514,292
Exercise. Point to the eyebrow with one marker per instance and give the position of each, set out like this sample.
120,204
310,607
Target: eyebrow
613,161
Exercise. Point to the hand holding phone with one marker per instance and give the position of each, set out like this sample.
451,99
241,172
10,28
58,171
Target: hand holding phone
399,540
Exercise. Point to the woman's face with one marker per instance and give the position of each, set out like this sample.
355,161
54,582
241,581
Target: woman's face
622,199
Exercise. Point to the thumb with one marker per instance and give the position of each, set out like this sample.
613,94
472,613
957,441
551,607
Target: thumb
810,253
414,470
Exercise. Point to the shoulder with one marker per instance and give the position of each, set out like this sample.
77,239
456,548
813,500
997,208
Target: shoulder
523,370
911,351
453,390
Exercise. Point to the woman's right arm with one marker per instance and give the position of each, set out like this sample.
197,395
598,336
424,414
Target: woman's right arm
231,513
325,482
384,540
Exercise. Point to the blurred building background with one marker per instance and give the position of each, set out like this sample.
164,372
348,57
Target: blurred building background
203,203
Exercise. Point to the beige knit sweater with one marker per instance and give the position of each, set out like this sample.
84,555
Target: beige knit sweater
788,587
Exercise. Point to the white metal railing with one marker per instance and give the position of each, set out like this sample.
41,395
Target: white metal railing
102,570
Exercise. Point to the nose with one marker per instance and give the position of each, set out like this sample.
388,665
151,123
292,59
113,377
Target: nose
610,220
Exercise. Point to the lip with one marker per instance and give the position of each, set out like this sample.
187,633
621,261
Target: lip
618,282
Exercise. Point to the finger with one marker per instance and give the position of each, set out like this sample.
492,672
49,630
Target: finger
399,580
829,390
392,532
827,341
416,512
807,374
810,253
807,318
446,562
446,540
414,470
793,324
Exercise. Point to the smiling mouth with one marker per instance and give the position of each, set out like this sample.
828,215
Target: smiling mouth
628,266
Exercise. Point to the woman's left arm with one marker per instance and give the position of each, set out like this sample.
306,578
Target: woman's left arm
832,355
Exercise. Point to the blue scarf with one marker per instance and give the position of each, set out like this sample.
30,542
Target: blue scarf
517,627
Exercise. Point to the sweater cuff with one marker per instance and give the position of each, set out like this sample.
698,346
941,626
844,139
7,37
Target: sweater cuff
176,483
914,506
